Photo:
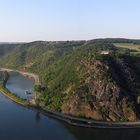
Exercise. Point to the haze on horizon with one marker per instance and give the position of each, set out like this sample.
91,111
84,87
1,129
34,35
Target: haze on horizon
31,20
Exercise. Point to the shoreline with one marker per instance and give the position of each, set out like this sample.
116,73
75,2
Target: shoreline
24,73
72,120
13,97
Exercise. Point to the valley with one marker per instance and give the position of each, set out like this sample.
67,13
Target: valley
78,79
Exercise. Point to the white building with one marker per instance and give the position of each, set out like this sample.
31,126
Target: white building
105,52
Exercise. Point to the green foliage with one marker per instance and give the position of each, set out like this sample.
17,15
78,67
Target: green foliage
81,115
3,77
37,88
58,65
121,52
131,105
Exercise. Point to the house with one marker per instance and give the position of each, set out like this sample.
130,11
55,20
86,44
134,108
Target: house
105,52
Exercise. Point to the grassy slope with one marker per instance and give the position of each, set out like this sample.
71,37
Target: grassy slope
134,48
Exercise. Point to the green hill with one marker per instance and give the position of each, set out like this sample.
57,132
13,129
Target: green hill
79,78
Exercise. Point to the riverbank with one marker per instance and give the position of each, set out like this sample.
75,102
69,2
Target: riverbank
6,92
13,97
81,122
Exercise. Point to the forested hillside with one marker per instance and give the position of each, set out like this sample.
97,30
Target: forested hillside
92,79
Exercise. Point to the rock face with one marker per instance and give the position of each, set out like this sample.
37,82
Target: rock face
109,90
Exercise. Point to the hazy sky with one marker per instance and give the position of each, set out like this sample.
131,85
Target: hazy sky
29,20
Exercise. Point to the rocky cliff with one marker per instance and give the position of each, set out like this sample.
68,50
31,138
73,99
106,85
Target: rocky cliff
108,90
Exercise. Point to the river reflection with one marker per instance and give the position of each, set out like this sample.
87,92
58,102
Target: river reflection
104,134
37,117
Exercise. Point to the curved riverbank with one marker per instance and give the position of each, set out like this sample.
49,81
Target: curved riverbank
6,92
28,74
69,119
13,97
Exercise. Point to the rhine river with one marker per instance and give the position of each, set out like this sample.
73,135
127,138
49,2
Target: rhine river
20,123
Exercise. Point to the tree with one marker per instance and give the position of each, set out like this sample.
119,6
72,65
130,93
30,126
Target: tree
37,88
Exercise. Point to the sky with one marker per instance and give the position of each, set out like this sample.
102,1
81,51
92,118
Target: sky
30,20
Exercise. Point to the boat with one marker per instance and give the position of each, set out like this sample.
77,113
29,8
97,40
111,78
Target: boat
28,93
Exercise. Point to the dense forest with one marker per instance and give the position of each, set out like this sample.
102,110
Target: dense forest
92,79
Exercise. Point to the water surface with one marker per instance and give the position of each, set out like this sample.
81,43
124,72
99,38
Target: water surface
18,83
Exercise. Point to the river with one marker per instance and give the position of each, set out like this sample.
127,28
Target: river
20,123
